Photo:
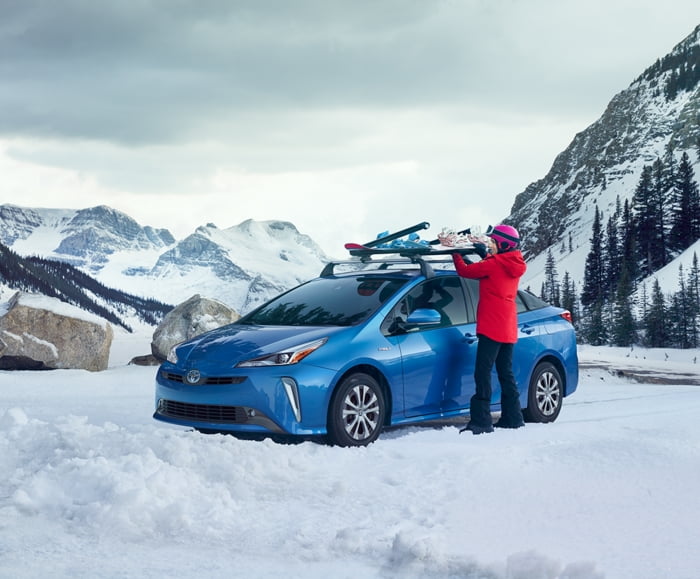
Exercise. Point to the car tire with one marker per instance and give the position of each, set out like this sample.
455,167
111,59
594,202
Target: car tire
545,394
357,411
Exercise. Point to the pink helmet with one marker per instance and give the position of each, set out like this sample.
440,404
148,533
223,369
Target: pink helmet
505,236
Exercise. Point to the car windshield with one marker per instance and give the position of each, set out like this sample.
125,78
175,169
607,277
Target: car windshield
327,301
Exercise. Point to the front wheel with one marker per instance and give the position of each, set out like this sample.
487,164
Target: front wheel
545,394
356,413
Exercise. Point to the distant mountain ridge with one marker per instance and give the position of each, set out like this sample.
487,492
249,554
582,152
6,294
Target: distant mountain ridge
241,266
69,284
658,115
85,238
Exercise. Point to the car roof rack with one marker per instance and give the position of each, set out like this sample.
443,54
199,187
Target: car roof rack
422,259
402,251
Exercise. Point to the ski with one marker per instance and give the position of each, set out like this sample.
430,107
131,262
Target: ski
449,241
397,234
357,250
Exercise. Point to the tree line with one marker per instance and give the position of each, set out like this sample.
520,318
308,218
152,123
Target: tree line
615,306
67,283
680,69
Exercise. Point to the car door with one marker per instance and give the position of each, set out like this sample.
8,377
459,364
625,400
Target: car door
431,355
529,346
525,352
460,387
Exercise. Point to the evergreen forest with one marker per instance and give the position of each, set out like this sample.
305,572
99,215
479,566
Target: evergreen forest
615,305
67,283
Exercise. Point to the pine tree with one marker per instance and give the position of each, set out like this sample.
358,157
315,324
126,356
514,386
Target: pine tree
595,329
655,321
643,305
624,328
594,273
662,185
645,221
629,241
551,285
685,228
612,262
693,289
679,311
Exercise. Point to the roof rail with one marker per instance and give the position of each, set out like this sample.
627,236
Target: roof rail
408,258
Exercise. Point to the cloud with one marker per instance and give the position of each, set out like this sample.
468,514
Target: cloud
382,112
152,72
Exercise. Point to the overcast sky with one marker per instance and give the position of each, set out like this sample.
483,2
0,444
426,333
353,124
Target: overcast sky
345,117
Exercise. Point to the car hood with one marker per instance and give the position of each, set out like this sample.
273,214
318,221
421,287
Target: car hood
235,343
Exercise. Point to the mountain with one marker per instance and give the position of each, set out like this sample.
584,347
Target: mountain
241,266
84,238
69,284
657,116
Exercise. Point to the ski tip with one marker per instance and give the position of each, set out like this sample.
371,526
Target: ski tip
354,246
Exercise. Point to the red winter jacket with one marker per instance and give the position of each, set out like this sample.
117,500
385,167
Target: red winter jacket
498,275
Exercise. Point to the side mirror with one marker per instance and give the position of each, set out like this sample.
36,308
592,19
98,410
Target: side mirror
423,317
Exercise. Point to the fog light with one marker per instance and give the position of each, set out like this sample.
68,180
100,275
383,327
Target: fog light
290,387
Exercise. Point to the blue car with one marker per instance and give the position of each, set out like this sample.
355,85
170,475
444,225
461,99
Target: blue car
346,354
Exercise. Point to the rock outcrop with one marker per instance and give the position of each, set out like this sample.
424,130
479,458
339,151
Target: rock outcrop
42,333
191,318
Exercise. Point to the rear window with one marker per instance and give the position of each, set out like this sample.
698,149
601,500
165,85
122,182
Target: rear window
524,300
528,301
327,301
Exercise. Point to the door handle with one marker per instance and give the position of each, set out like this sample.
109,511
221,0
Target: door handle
470,338
525,329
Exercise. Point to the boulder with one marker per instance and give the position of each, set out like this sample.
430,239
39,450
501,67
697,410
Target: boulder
42,333
191,318
146,360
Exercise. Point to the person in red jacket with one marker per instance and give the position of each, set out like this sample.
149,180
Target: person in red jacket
499,273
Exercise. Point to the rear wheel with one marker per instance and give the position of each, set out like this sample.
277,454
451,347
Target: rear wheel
357,411
545,394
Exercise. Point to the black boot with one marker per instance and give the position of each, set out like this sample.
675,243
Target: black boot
501,423
477,428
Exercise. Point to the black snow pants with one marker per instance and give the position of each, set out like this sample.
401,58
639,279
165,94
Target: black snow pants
489,352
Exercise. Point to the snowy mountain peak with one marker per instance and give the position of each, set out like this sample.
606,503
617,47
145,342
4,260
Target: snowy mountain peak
240,266
655,117
84,238
18,223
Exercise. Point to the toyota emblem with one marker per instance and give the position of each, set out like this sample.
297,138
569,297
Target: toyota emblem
193,376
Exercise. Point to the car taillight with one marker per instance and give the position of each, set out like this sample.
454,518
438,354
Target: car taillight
566,314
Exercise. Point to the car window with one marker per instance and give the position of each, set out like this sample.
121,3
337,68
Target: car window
471,287
522,301
327,301
531,301
443,294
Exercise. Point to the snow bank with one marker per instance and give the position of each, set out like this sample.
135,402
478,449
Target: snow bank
93,487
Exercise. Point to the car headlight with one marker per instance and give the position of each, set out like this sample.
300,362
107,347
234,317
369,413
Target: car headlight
172,355
285,358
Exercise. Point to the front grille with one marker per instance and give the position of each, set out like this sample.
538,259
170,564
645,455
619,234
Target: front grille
203,412
211,380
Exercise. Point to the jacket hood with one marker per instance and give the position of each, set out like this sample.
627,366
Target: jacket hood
512,262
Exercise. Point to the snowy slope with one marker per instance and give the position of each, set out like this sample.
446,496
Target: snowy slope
93,488
603,163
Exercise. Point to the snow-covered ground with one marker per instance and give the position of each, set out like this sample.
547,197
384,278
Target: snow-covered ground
92,487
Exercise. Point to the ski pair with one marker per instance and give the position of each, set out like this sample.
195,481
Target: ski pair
371,248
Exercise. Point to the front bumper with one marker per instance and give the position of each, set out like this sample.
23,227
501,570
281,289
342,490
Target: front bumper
257,400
